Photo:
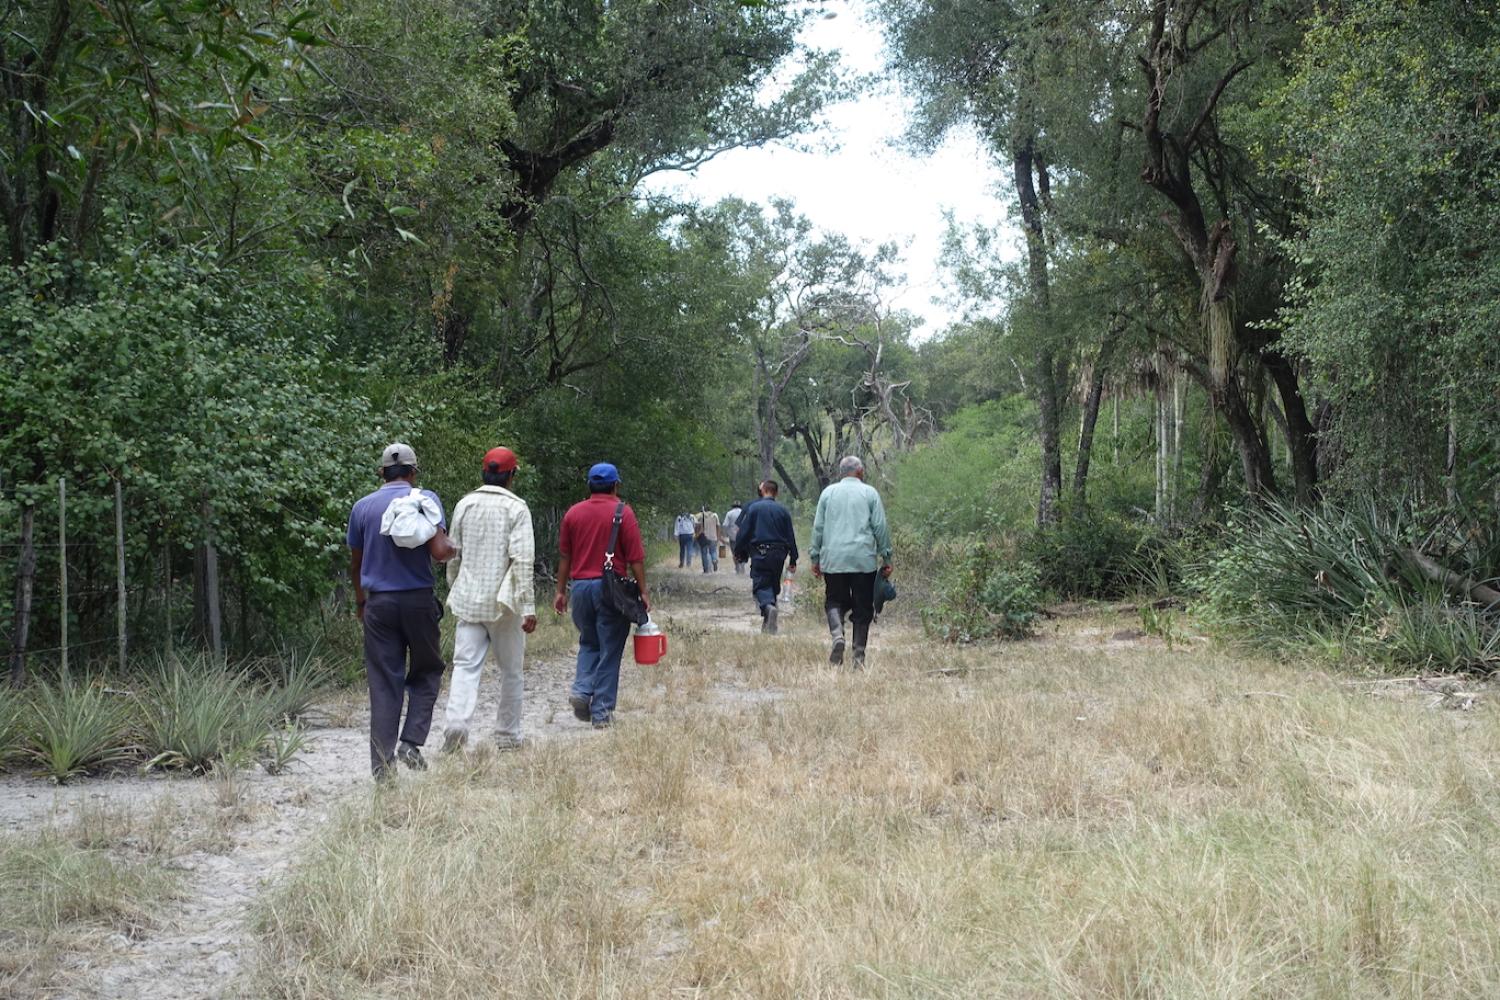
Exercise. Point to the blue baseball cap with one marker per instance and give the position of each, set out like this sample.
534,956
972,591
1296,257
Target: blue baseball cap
603,474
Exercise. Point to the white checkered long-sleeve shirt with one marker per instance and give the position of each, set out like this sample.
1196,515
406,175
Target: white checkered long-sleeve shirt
491,575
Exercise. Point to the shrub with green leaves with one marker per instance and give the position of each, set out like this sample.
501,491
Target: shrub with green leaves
1345,579
70,728
197,713
194,715
1095,554
986,595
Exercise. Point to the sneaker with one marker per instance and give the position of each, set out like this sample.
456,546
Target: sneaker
505,744
454,740
411,755
580,707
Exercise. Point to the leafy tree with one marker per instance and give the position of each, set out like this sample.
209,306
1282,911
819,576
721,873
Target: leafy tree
1391,119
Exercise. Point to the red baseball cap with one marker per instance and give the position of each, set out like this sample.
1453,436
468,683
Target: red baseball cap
503,460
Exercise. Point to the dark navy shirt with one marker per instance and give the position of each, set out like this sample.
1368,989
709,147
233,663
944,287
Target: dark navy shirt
765,522
386,565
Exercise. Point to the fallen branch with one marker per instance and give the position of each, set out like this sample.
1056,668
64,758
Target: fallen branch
1477,592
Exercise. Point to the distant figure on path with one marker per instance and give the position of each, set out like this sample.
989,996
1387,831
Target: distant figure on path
850,544
766,539
706,529
602,632
683,529
732,531
491,593
394,600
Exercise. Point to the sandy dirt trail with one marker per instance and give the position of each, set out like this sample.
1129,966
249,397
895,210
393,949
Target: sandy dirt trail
232,837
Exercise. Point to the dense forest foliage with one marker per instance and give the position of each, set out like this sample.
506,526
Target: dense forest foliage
1254,315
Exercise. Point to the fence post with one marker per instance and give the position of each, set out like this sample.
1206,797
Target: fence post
25,584
211,583
120,566
62,562
166,563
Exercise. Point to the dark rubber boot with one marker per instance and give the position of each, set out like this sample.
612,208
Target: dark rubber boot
836,629
861,639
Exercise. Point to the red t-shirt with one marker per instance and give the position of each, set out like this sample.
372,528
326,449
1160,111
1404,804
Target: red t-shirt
584,537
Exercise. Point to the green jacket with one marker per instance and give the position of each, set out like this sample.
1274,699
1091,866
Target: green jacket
849,531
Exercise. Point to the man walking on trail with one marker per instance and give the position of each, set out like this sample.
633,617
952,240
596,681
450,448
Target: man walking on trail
491,593
683,529
706,529
583,540
393,598
766,539
851,543
732,532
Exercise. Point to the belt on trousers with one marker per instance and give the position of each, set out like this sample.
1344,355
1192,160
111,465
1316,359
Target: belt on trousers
768,548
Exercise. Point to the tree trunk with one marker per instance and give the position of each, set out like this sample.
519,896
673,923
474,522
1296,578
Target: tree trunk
787,480
1301,436
1091,414
1049,406
25,586
820,471
1163,504
1255,456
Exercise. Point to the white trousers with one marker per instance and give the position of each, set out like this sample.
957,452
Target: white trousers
471,641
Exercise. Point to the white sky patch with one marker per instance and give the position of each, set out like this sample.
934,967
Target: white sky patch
859,180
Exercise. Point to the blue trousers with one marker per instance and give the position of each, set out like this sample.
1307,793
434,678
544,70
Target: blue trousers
601,643
710,552
765,578
684,550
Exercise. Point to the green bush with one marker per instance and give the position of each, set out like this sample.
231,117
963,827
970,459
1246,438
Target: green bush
195,715
70,728
1095,554
198,713
986,595
1343,579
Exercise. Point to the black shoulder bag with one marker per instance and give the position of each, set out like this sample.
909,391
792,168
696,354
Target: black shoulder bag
621,594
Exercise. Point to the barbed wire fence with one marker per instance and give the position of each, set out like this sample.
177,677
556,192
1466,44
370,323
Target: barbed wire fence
88,593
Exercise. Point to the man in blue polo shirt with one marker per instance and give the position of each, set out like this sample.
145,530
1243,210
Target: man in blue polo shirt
394,599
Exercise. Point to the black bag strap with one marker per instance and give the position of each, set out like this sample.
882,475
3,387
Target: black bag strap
614,536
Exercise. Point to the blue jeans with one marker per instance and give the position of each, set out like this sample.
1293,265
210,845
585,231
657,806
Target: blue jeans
710,552
765,578
684,550
601,643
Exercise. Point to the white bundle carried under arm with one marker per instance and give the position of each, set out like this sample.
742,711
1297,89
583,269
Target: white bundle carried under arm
412,520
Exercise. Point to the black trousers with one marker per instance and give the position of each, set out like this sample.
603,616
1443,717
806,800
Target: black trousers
851,592
404,667
765,575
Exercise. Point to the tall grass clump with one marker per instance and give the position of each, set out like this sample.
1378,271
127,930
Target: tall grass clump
69,728
197,713
1349,577
986,594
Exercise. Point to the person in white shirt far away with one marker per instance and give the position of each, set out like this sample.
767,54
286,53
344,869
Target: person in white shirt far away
492,596
732,531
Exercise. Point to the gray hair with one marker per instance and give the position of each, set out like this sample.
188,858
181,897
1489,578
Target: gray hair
850,465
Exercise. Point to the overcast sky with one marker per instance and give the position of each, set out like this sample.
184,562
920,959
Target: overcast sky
868,187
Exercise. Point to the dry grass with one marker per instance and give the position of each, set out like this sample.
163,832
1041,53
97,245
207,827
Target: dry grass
68,887
1057,818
